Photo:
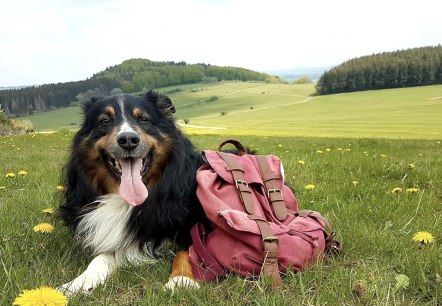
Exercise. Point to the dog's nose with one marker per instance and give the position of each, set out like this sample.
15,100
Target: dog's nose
128,140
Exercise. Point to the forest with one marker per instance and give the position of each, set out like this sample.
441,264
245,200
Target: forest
404,68
134,75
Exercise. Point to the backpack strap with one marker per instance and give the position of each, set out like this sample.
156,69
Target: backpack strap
241,185
274,194
270,245
270,250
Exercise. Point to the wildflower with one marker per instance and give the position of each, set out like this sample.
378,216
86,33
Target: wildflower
328,150
22,173
438,142
347,150
319,151
44,228
40,297
59,188
2,187
411,166
309,186
396,190
355,183
423,237
48,210
411,190
339,149
301,162
279,145
10,175
383,155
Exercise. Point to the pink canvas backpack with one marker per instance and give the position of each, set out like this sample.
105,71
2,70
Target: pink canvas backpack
256,225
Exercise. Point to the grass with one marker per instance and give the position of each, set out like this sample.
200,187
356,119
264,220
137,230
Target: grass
291,110
374,225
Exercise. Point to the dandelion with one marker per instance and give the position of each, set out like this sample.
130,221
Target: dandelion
319,151
279,145
355,183
347,150
10,175
48,210
43,228
309,186
42,296
396,190
383,155
328,150
22,173
411,190
438,142
339,149
411,166
59,188
301,162
2,187
423,237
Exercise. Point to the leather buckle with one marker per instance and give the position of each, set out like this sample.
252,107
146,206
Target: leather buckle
272,191
240,182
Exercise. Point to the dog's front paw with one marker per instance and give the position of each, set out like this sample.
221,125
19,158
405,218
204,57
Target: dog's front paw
74,287
181,282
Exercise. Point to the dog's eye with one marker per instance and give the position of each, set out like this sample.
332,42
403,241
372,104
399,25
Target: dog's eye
143,120
105,122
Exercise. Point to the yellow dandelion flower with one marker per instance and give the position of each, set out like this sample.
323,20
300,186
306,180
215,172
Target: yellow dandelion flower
411,166
48,210
59,188
365,152
411,190
319,151
438,141
301,162
339,149
40,297
279,145
383,155
43,228
10,175
2,187
348,150
22,173
355,183
328,150
396,190
423,237
309,186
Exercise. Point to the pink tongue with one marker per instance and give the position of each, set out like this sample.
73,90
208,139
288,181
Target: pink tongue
132,189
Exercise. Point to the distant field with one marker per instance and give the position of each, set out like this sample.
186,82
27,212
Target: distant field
245,108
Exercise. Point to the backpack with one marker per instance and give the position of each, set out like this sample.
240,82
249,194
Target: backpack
256,225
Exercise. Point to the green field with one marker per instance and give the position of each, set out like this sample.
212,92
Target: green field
380,264
244,108
360,147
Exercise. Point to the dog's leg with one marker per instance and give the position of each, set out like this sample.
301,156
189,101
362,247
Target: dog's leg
96,273
181,275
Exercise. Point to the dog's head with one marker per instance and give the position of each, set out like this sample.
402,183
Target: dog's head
125,141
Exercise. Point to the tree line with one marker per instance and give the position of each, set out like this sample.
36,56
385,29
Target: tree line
404,68
134,75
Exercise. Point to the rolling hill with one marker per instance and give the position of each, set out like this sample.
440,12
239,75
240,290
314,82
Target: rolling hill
254,108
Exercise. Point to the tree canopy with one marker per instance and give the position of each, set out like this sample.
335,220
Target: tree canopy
404,68
133,75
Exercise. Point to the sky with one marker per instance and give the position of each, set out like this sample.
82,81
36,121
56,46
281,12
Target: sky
51,41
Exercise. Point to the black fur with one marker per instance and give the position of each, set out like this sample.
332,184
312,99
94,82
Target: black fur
172,206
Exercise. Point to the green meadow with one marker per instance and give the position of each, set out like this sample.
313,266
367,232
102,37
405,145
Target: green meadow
375,159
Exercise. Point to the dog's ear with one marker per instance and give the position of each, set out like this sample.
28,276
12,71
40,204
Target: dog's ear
87,105
162,102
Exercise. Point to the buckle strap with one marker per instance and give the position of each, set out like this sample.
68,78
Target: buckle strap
274,194
241,185
270,251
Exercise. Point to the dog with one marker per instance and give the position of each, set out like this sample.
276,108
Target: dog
130,186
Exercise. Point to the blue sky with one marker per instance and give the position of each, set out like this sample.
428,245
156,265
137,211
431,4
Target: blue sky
49,41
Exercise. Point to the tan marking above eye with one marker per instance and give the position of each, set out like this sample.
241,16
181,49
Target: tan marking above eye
137,113
110,111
